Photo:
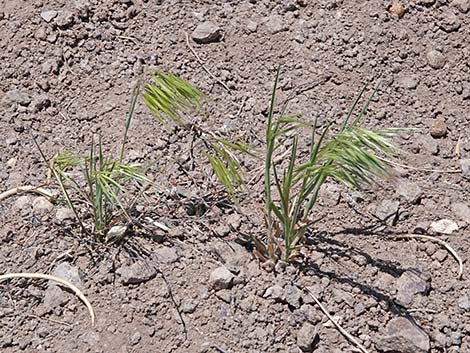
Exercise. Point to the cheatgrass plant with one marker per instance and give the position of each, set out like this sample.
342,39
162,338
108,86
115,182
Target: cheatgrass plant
170,98
96,186
351,156
292,180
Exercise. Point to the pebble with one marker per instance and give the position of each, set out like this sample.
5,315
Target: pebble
400,335
64,19
64,214
166,255
410,191
292,296
275,24
439,128
221,278
11,163
444,226
435,59
18,96
397,9
207,32
462,5
23,202
42,205
48,15
449,23
464,303
251,26
306,337
387,210
461,211
275,292
465,168
409,284
135,338
136,273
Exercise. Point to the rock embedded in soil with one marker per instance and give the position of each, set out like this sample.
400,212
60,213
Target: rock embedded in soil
19,97
207,32
449,23
409,284
306,337
221,278
49,15
276,24
64,19
465,168
401,335
461,210
166,255
387,210
274,292
439,128
435,59
410,191
42,205
444,226
462,5
293,296
464,303
136,273
64,214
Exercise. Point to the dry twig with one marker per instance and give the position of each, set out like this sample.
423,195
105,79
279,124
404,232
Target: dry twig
61,281
338,327
418,169
23,189
440,241
202,64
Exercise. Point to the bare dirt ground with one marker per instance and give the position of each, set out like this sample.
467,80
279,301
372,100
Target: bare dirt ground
67,71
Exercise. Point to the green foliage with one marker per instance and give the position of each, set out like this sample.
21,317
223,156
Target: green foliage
349,156
94,186
169,98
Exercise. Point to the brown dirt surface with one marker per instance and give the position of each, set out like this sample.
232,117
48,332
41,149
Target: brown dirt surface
67,71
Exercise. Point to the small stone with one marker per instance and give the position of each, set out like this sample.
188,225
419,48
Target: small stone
12,162
64,19
435,59
207,32
42,205
410,191
275,24
51,66
462,5
221,278
23,202
461,210
19,97
48,15
293,296
136,273
444,226
403,336
135,338
440,255
428,144
465,168
189,306
166,255
409,284
426,2
251,26
449,23
68,272
464,303
387,210
275,292
397,9
306,337
439,128
64,214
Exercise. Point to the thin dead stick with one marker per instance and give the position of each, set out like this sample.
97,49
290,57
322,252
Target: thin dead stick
442,242
61,281
418,169
338,327
23,189
202,64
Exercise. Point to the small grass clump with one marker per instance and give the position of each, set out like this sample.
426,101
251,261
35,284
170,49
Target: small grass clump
292,180
95,186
